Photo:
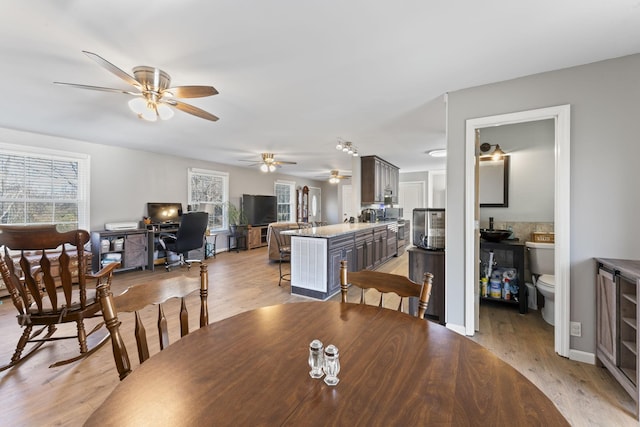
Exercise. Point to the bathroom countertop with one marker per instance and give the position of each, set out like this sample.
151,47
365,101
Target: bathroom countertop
512,242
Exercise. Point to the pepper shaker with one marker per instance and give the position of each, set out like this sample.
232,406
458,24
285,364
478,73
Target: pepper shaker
316,359
331,365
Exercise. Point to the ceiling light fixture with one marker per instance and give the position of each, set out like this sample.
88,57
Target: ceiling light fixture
441,152
347,147
497,153
268,163
146,108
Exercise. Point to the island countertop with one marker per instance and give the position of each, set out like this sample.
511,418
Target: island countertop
328,231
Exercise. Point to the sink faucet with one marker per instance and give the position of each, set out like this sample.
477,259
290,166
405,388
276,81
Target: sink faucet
490,223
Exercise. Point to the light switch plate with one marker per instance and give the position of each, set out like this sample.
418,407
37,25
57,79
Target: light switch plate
576,329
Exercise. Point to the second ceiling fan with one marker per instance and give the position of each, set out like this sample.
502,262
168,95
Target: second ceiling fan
268,162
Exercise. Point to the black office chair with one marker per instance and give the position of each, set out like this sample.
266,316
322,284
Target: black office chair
190,236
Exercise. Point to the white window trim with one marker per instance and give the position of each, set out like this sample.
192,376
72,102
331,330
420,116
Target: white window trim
292,197
225,189
84,173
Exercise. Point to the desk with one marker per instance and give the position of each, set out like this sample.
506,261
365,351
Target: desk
153,232
251,369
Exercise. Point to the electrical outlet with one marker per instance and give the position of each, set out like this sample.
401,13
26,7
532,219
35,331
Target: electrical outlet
576,329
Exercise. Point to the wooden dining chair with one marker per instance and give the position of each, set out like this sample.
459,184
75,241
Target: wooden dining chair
284,249
385,283
46,274
136,298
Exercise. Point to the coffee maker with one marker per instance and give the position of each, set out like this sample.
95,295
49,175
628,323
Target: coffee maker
368,215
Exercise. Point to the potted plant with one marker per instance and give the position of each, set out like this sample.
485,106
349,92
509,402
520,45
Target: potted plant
235,216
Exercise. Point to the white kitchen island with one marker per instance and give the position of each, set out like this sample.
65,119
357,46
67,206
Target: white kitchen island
316,253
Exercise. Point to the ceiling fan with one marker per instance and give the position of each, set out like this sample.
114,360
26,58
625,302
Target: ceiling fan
335,177
153,95
268,163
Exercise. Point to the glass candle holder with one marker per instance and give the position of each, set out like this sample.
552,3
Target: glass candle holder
316,359
331,365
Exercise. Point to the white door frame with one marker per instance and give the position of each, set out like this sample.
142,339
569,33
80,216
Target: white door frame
562,118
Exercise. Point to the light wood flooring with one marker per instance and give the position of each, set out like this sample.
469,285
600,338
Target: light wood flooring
32,394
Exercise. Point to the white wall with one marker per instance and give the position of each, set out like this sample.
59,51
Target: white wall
530,147
123,180
605,128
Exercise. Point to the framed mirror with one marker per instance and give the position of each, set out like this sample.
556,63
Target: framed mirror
493,177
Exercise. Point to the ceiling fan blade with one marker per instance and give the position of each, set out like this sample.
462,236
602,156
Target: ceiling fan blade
115,70
284,163
103,89
192,91
190,109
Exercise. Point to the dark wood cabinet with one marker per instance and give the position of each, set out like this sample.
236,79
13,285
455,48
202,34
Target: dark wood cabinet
509,254
128,247
379,179
424,261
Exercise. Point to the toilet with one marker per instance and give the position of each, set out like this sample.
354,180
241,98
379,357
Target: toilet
541,264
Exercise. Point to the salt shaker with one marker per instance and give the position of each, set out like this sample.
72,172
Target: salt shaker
331,365
316,359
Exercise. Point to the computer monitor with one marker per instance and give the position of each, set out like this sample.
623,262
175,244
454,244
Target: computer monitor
160,213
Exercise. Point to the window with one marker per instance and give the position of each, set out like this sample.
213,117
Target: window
41,186
209,192
285,191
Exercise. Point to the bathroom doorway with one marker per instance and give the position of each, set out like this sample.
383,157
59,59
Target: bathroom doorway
526,186
561,117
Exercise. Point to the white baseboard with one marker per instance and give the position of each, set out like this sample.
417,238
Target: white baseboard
582,356
456,328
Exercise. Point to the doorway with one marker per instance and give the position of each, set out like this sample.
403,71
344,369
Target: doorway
411,195
561,117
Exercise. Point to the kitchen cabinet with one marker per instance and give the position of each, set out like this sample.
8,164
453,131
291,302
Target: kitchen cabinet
364,250
617,314
380,245
316,254
379,178
128,247
428,261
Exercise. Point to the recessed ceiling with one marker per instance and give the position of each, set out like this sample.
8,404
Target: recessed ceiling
293,76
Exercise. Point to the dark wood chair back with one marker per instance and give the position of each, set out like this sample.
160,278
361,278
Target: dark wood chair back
284,249
138,297
386,283
45,272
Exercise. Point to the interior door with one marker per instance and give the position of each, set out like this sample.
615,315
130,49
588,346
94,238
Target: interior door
411,197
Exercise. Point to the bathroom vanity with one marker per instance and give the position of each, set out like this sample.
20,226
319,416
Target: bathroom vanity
507,253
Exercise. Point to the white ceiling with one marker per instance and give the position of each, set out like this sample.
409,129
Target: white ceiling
293,75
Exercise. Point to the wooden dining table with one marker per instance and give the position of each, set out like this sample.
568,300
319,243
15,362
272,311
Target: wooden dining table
252,369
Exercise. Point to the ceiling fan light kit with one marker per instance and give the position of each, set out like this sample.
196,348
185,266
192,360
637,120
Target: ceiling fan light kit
154,96
335,177
268,163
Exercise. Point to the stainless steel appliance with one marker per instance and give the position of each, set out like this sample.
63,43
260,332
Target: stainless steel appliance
368,215
393,213
429,228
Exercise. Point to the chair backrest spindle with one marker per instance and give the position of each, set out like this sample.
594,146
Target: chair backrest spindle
138,297
402,286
